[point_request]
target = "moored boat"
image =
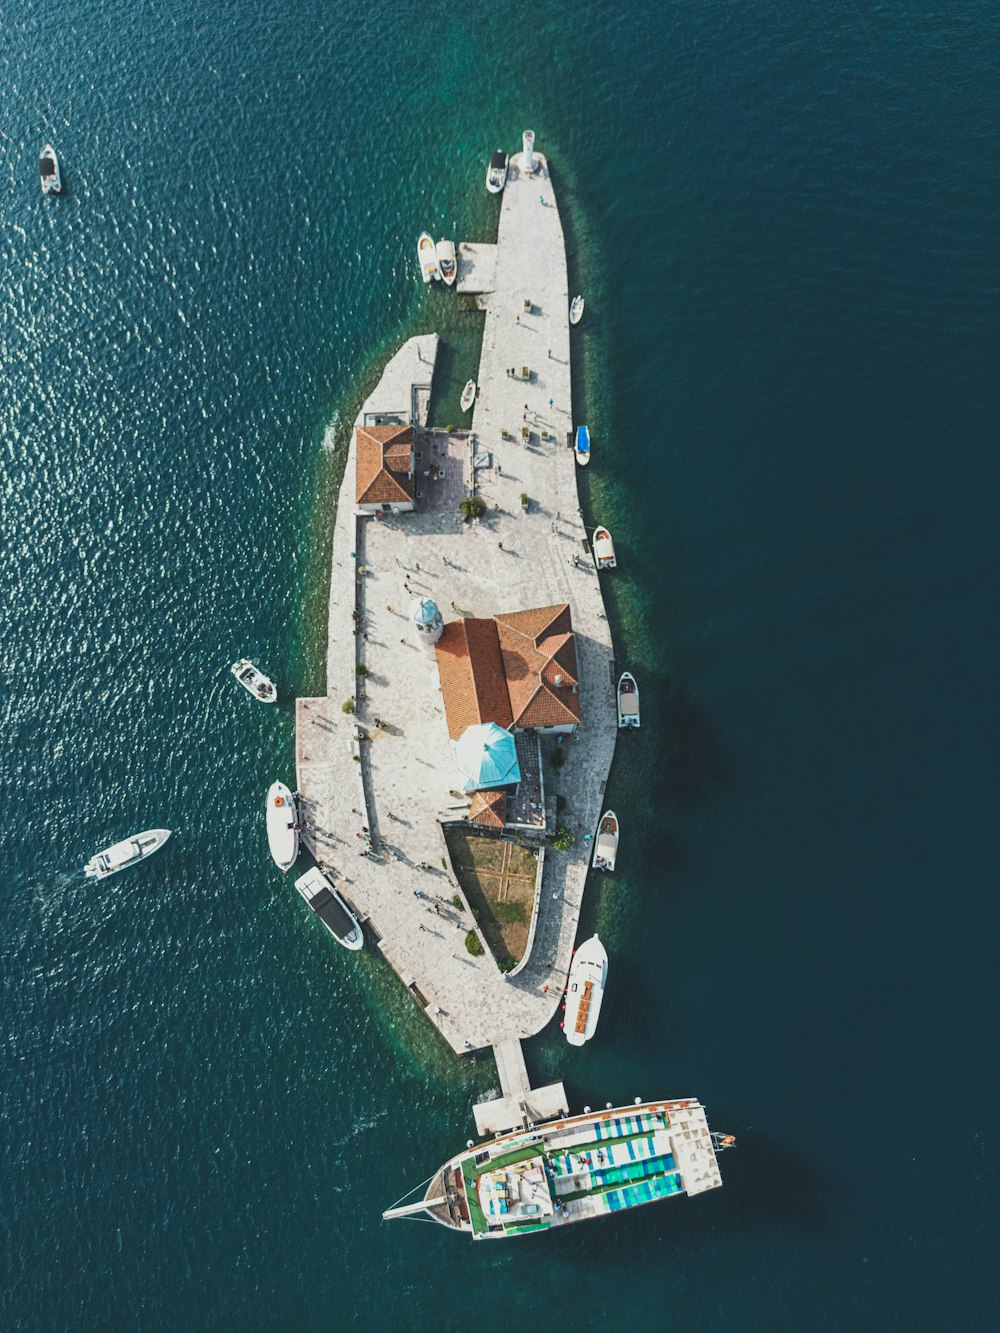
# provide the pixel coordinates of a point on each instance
(588, 976)
(447, 266)
(628, 701)
(568, 1170)
(576, 310)
(468, 395)
(604, 549)
(582, 448)
(427, 254)
(496, 172)
(331, 909)
(282, 818)
(254, 681)
(606, 843)
(48, 171)
(121, 855)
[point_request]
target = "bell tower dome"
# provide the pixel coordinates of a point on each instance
(426, 622)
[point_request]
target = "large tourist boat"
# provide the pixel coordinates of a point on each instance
(447, 266)
(282, 818)
(121, 855)
(563, 1171)
(254, 681)
(331, 909)
(496, 172)
(427, 254)
(48, 171)
(628, 701)
(588, 976)
(606, 843)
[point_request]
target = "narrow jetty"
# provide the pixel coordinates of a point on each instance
(379, 783)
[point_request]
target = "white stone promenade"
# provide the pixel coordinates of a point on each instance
(398, 783)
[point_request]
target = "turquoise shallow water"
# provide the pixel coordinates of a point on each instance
(784, 219)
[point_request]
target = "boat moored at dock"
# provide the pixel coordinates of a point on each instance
(468, 395)
(427, 254)
(572, 1169)
(576, 310)
(496, 172)
(588, 976)
(48, 171)
(331, 909)
(282, 818)
(604, 549)
(130, 852)
(447, 266)
(628, 701)
(254, 681)
(606, 843)
(582, 446)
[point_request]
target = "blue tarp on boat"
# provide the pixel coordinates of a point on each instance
(582, 440)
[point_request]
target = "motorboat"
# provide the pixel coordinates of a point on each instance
(331, 909)
(427, 254)
(588, 976)
(582, 445)
(254, 681)
(124, 854)
(468, 395)
(604, 549)
(496, 172)
(606, 842)
(282, 819)
(48, 171)
(628, 701)
(447, 267)
(576, 310)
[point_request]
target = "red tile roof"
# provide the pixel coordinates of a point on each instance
(472, 679)
(489, 808)
(384, 459)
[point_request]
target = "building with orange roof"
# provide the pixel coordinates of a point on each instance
(489, 808)
(384, 466)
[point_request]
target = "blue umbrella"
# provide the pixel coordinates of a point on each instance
(486, 757)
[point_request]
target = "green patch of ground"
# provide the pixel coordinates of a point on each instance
(498, 878)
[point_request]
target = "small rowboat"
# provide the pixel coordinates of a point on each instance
(496, 172)
(582, 445)
(427, 254)
(446, 262)
(606, 842)
(604, 549)
(282, 820)
(588, 976)
(254, 681)
(576, 310)
(468, 395)
(628, 701)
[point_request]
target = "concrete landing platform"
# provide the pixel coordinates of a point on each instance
(477, 266)
(520, 1102)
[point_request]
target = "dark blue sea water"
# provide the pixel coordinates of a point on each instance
(784, 217)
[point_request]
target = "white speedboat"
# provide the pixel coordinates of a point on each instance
(125, 854)
(427, 254)
(628, 701)
(254, 681)
(468, 395)
(588, 976)
(447, 267)
(582, 445)
(331, 909)
(604, 549)
(48, 171)
(496, 172)
(606, 842)
(282, 826)
(576, 310)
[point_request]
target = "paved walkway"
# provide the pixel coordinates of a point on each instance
(397, 780)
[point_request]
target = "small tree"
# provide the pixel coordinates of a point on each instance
(473, 506)
(524, 500)
(473, 944)
(361, 670)
(562, 840)
(347, 706)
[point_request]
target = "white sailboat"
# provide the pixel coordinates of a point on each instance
(588, 976)
(282, 819)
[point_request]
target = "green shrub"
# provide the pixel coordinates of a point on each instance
(456, 901)
(507, 963)
(558, 757)
(473, 506)
(347, 706)
(561, 802)
(562, 840)
(473, 945)
(361, 670)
